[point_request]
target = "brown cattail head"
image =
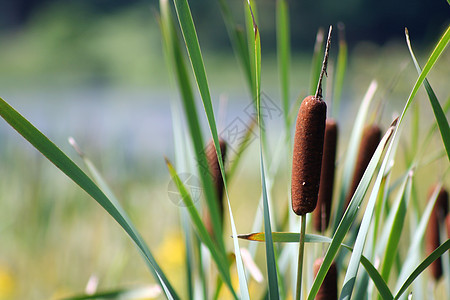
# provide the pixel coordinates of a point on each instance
(371, 137)
(437, 217)
(307, 156)
(447, 225)
(328, 290)
(323, 209)
(217, 179)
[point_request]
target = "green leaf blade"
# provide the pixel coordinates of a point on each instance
(284, 54)
(439, 114)
(423, 265)
(68, 167)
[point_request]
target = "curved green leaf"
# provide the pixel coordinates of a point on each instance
(439, 114)
(425, 263)
(284, 53)
(68, 167)
(176, 60)
(195, 56)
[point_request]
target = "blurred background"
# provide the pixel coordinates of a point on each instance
(94, 70)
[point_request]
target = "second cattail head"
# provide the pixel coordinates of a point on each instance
(371, 137)
(322, 213)
(307, 154)
(328, 290)
(437, 217)
(217, 179)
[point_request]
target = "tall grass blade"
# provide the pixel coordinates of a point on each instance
(349, 215)
(182, 162)
(98, 178)
(423, 265)
(251, 17)
(341, 67)
(412, 256)
(394, 226)
(176, 60)
(439, 114)
(219, 258)
(193, 47)
(284, 55)
(68, 167)
(352, 150)
(270, 254)
(439, 48)
(100, 181)
(238, 41)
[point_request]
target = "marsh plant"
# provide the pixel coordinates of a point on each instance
(369, 236)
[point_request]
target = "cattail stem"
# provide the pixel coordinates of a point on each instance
(301, 248)
(324, 65)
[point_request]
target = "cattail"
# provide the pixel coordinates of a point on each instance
(447, 224)
(328, 290)
(370, 139)
(437, 217)
(322, 213)
(217, 179)
(307, 158)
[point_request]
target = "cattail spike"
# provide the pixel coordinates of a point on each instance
(323, 209)
(440, 210)
(447, 225)
(307, 154)
(217, 179)
(328, 290)
(371, 137)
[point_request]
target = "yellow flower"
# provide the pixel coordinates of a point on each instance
(171, 250)
(7, 284)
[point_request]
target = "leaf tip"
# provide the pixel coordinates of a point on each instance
(75, 146)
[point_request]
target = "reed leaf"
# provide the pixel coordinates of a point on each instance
(422, 266)
(284, 55)
(412, 256)
(439, 114)
(270, 254)
(195, 56)
(394, 226)
(68, 167)
(238, 42)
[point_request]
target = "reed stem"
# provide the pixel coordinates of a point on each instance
(301, 249)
